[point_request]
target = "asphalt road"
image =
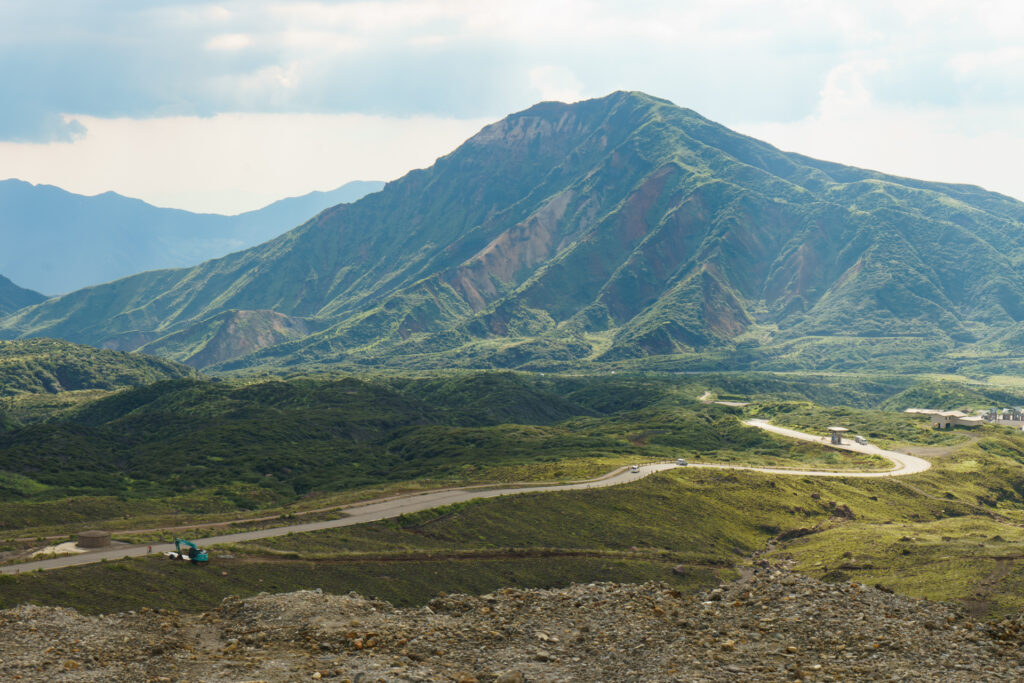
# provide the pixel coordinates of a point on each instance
(903, 463)
(393, 507)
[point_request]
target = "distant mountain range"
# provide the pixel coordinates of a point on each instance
(13, 297)
(56, 241)
(623, 231)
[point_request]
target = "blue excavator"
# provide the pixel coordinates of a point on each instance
(195, 554)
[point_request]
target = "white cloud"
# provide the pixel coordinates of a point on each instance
(871, 82)
(229, 42)
(234, 162)
(970, 144)
(555, 83)
(971, 64)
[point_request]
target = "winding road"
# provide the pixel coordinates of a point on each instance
(359, 513)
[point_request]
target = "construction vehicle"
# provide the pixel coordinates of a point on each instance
(194, 553)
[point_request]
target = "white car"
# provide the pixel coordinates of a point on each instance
(681, 462)
(634, 468)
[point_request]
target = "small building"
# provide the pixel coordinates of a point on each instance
(836, 434)
(93, 539)
(954, 418)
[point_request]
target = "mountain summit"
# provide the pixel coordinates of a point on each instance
(624, 229)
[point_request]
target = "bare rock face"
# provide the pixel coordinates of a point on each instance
(770, 627)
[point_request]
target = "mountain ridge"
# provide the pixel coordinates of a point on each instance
(66, 241)
(13, 297)
(618, 230)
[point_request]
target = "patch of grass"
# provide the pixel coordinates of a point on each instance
(942, 559)
(154, 582)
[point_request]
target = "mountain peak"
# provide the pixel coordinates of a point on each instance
(620, 229)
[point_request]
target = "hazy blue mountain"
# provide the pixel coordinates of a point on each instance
(620, 230)
(57, 241)
(13, 297)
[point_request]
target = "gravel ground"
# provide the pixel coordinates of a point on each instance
(772, 626)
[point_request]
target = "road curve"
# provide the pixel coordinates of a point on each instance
(903, 463)
(373, 511)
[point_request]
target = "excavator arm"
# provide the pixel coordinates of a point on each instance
(194, 553)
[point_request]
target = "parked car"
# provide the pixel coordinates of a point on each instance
(861, 440)
(681, 462)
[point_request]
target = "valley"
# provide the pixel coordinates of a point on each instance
(596, 347)
(395, 506)
(745, 494)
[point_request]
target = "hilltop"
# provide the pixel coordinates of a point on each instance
(50, 366)
(623, 231)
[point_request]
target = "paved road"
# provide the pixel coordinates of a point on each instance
(903, 463)
(393, 507)
(355, 514)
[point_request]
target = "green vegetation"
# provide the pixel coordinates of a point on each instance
(51, 366)
(188, 451)
(876, 425)
(675, 244)
(950, 396)
(206, 447)
(946, 534)
(152, 582)
(954, 536)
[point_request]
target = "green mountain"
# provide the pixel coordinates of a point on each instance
(49, 366)
(620, 230)
(13, 297)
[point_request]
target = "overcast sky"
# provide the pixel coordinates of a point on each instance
(227, 106)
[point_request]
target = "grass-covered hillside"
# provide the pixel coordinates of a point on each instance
(187, 451)
(951, 533)
(194, 446)
(50, 366)
(198, 446)
(296, 437)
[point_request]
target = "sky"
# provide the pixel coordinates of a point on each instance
(228, 106)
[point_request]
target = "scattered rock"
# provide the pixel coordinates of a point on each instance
(772, 626)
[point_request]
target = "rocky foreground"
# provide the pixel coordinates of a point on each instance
(770, 627)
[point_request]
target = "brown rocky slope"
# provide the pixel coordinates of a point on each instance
(772, 626)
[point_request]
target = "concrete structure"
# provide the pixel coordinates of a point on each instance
(94, 539)
(954, 418)
(947, 419)
(837, 434)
